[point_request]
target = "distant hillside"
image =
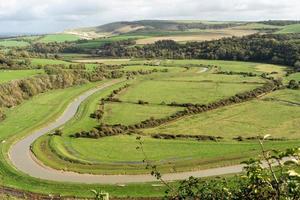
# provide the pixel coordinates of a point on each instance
(146, 26)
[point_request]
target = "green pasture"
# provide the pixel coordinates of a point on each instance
(157, 92)
(278, 117)
(294, 28)
(119, 154)
(58, 38)
(8, 75)
(13, 43)
(131, 113)
(45, 61)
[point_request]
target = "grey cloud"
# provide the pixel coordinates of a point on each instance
(55, 15)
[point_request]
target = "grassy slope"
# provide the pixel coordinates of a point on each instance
(294, 28)
(253, 118)
(8, 75)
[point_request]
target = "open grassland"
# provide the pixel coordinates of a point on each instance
(105, 61)
(256, 118)
(129, 113)
(106, 156)
(59, 38)
(235, 66)
(294, 28)
(193, 76)
(8, 75)
(44, 61)
(156, 92)
(13, 43)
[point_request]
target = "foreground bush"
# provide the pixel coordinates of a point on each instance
(271, 177)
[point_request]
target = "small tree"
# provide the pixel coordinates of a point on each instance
(100, 195)
(58, 132)
(293, 84)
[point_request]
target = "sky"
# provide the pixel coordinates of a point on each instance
(45, 16)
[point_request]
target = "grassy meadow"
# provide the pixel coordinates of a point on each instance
(58, 38)
(9, 75)
(12, 43)
(251, 119)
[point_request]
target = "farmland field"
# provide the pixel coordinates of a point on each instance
(13, 43)
(58, 38)
(8, 75)
(295, 28)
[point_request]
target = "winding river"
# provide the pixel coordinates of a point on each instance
(24, 161)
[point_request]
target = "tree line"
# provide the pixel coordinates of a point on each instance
(269, 48)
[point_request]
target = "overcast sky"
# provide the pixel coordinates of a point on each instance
(41, 16)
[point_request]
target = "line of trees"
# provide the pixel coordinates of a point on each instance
(280, 22)
(277, 49)
(180, 136)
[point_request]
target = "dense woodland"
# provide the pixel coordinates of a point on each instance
(280, 22)
(269, 48)
(7, 62)
(278, 49)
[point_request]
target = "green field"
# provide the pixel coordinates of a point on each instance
(43, 62)
(106, 156)
(13, 43)
(156, 91)
(255, 118)
(128, 113)
(58, 38)
(8, 75)
(294, 28)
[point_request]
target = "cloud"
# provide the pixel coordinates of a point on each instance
(56, 15)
